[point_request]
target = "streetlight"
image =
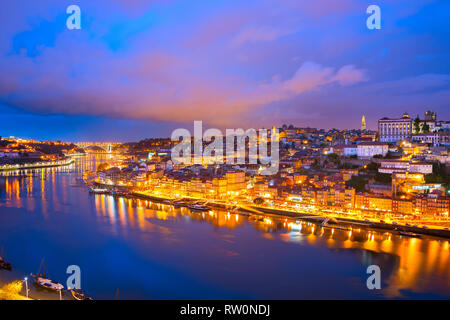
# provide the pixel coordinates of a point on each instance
(26, 285)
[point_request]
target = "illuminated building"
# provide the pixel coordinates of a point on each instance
(393, 130)
(401, 166)
(368, 150)
(435, 138)
(345, 150)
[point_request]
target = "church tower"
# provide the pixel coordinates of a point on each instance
(363, 123)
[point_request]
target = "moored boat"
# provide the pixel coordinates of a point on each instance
(199, 207)
(3, 263)
(179, 204)
(98, 190)
(409, 234)
(77, 294)
(42, 281)
(48, 284)
(339, 227)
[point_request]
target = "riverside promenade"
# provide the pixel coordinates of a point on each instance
(36, 165)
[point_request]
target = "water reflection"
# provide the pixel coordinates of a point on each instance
(409, 264)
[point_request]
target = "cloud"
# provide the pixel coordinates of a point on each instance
(219, 62)
(260, 33)
(155, 86)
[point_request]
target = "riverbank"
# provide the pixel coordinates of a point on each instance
(36, 165)
(313, 218)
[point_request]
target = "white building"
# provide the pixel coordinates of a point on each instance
(401, 166)
(435, 138)
(393, 130)
(345, 150)
(420, 167)
(368, 150)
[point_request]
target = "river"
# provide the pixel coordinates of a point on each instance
(135, 249)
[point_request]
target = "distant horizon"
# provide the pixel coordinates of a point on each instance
(161, 137)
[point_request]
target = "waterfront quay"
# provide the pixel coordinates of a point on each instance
(309, 217)
(317, 217)
(36, 165)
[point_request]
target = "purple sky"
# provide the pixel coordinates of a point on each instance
(141, 68)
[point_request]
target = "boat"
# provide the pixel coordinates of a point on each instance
(45, 283)
(98, 190)
(199, 207)
(77, 294)
(410, 234)
(179, 204)
(339, 227)
(42, 281)
(3, 263)
(120, 193)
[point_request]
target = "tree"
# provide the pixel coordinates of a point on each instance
(416, 124)
(383, 177)
(426, 128)
(389, 155)
(315, 164)
(439, 175)
(258, 200)
(373, 166)
(357, 182)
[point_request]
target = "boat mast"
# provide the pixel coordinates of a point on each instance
(42, 266)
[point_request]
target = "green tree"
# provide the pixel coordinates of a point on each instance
(416, 124)
(439, 175)
(357, 182)
(383, 177)
(426, 128)
(258, 200)
(373, 166)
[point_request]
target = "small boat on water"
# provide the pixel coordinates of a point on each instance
(120, 193)
(199, 207)
(42, 281)
(339, 227)
(98, 190)
(3, 263)
(179, 204)
(45, 283)
(410, 234)
(77, 294)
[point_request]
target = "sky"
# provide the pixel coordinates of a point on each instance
(141, 68)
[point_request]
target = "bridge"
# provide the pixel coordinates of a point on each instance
(107, 146)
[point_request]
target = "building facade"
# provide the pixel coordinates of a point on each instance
(368, 150)
(393, 130)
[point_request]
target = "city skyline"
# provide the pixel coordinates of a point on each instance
(164, 65)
